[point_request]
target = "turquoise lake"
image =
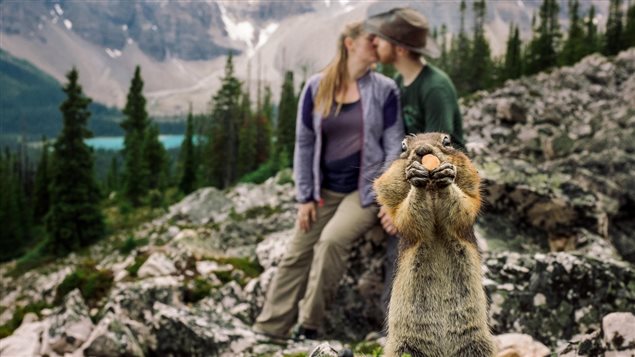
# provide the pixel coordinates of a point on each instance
(116, 142)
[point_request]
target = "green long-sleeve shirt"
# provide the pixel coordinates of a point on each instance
(430, 104)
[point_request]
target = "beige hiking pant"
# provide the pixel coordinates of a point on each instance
(318, 255)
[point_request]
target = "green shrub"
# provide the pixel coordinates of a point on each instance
(91, 282)
(155, 199)
(34, 258)
(138, 262)
(261, 174)
(285, 177)
(130, 244)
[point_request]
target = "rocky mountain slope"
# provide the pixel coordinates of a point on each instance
(556, 153)
(181, 46)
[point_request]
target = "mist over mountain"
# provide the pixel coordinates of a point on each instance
(181, 46)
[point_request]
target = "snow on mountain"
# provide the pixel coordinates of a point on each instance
(182, 46)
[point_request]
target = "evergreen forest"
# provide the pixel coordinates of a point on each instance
(56, 200)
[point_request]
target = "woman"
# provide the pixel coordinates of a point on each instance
(348, 125)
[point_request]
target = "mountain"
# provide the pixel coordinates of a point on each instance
(31, 98)
(181, 46)
(30, 103)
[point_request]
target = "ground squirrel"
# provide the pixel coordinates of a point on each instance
(438, 306)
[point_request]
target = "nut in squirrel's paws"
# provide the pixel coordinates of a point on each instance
(438, 177)
(430, 162)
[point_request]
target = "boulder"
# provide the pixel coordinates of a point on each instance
(156, 265)
(70, 327)
(323, 350)
(555, 296)
(136, 299)
(619, 331)
(207, 329)
(519, 345)
(111, 337)
(25, 340)
(204, 205)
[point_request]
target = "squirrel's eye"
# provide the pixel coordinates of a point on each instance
(404, 147)
(446, 142)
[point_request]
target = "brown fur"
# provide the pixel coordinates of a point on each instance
(438, 306)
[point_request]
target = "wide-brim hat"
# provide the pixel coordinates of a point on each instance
(404, 27)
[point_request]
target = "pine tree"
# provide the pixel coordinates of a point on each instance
(112, 178)
(263, 129)
(629, 30)
(221, 151)
(460, 55)
(135, 176)
(614, 27)
(247, 139)
(513, 59)
(14, 230)
(591, 40)
(74, 219)
(541, 52)
(482, 69)
(41, 195)
(573, 49)
(187, 183)
(155, 158)
(444, 60)
(286, 122)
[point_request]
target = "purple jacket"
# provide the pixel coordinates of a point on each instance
(383, 132)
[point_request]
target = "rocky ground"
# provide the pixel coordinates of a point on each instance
(556, 154)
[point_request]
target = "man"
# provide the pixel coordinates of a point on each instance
(428, 97)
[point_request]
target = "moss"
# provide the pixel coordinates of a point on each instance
(93, 284)
(368, 349)
(18, 315)
(196, 289)
(234, 216)
(249, 266)
(264, 211)
(138, 262)
(224, 276)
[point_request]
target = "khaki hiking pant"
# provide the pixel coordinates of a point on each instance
(318, 256)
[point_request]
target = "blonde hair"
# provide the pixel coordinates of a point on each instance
(335, 74)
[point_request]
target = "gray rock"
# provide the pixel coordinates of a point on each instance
(202, 206)
(206, 330)
(156, 265)
(520, 345)
(555, 296)
(111, 337)
(619, 331)
(323, 350)
(136, 299)
(25, 340)
(71, 326)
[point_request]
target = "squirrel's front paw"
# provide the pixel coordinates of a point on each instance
(443, 175)
(417, 174)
